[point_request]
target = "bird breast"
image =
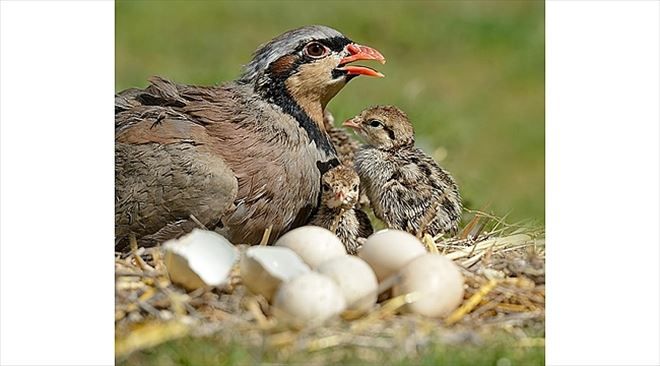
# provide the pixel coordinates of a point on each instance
(375, 168)
(275, 163)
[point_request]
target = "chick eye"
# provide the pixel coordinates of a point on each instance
(354, 188)
(375, 123)
(326, 187)
(315, 50)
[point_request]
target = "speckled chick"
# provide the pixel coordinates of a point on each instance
(345, 145)
(338, 212)
(406, 187)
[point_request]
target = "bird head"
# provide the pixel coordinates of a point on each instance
(340, 187)
(310, 65)
(383, 127)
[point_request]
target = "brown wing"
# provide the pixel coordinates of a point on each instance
(258, 152)
(165, 169)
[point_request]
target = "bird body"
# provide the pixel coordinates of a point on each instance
(406, 187)
(240, 157)
(260, 162)
(338, 211)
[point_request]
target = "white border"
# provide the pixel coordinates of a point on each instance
(602, 130)
(57, 179)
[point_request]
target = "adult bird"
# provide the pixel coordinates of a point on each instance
(239, 157)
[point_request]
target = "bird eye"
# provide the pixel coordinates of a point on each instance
(326, 187)
(315, 50)
(375, 123)
(354, 188)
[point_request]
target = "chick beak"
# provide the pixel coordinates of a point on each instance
(352, 124)
(339, 196)
(356, 53)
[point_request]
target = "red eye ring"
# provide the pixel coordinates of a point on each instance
(315, 50)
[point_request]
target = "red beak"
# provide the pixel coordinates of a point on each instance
(357, 53)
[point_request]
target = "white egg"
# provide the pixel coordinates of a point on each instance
(356, 280)
(199, 259)
(437, 282)
(313, 244)
(309, 299)
(387, 251)
(263, 268)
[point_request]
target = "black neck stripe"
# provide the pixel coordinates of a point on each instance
(290, 107)
(277, 93)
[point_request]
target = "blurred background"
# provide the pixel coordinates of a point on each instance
(470, 74)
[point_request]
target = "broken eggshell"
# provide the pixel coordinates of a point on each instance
(199, 259)
(313, 244)
(356, 280)
(263, 268)
(437, 282)
(308, 300)
(387, 251)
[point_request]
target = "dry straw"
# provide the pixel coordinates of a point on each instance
(503, 265)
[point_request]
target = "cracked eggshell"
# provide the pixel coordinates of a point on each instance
(356, 280)
(309, 299)
(387, 251)
(199, 259)
(313, 244)
(263, 268)
(436, 280)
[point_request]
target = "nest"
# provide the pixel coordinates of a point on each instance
(503, 265)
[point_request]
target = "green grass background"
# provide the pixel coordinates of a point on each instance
(212, 351)
(470, 74)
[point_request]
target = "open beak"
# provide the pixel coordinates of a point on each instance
(357, 53)
(350, 123)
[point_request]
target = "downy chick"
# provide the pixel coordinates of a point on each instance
(337, 212)
(406, 187)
